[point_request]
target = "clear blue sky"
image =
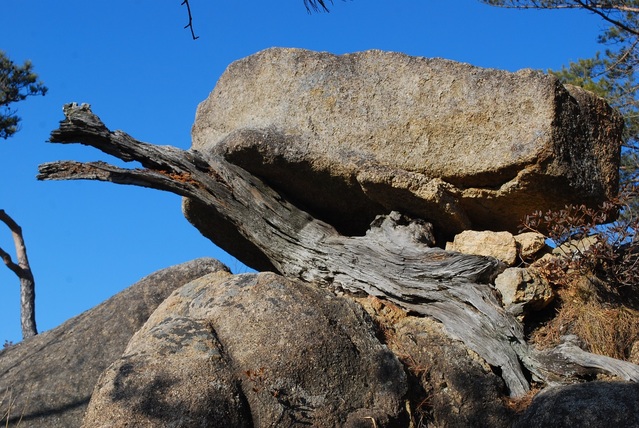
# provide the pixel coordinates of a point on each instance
(141, 72)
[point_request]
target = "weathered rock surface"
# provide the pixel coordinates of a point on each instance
(523, 290)
(353, 136)
(450, 385)
(462, 390)
(252, 350)
(346, 138)
(500, 245)
(575, 246)
(587, 405)
(46, 381)
(529, 244)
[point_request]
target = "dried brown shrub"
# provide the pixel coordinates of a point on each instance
(604, 330)
(520, 404)
(596, 275)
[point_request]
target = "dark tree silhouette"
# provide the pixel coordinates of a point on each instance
(16, 84)
(311, 6)
(190, 24)
(316, 5)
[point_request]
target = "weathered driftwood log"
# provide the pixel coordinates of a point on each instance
(568, 359)
(392, 260)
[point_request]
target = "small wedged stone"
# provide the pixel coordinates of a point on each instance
(529, 244)
(500, 245)
(523, 290)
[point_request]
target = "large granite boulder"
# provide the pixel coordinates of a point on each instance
(252, 350)
(351, 136)
(47, 380)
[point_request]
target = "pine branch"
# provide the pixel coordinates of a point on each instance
(315, 5)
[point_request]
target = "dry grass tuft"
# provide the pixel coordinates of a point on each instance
(519, 404)
(596, 275)
(605, 328)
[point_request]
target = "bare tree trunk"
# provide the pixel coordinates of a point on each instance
(393, 260)
(23, 271)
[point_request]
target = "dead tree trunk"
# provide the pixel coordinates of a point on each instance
(391, 261)
(24, 274)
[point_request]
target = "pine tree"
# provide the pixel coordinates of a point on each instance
(17, 82)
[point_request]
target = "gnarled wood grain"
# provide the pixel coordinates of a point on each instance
(392, 260)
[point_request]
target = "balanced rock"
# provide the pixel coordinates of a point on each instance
(47, 380)
(352, 136)
(252, 350)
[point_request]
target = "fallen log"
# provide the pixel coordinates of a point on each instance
(392, 261)
(569, 360)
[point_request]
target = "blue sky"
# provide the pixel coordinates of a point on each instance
(142, 73)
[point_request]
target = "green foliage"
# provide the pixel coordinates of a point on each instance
(16, 84)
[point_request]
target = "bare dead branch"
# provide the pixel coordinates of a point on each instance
(22, 266)
(102, 171)
(391, 261)
(6, 258)
(22, 269)
(601, 10)
(190, 24)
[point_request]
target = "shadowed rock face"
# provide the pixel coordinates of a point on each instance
(252, 350)
(449, 386)
(593, 404)
(47, 381)
(352, 136)
(260, 350)
(461, 390)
